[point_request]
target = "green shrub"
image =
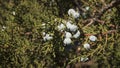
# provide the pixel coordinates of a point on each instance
(23, 45)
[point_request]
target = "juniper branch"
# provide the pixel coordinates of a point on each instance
(103, 33)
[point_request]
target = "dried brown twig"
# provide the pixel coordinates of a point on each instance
(107, 7)
(97, 15)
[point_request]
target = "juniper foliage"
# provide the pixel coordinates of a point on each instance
(21, 38)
